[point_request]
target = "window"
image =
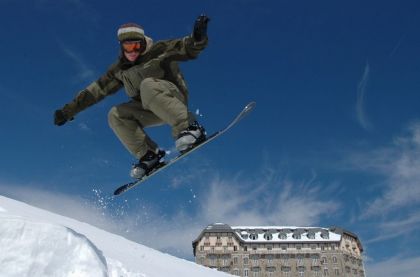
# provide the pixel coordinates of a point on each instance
(270, 259)
(336, 272)
(246, 272)
(236, 272)
(282, 236)
(271, 269)
(253, 236)
(202, 260)
(235, 260)
(256, 272)
(218, 241)
(285, 259)
(334, 259)
(268, 236)
(300, 260)
(316, 274)
(285, 271)
(255, 260)
(301, 271)
(202, 248)
(213, 261)
(315, 260)
(225, 261)
(325, 271)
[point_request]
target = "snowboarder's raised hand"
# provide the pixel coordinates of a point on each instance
(200, 27)
(59, 118)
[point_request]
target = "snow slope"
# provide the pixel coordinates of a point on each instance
(35, 242)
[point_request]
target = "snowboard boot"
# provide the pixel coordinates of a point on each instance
(190, 137)
(147, 163)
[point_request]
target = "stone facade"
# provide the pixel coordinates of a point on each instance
(273, 251)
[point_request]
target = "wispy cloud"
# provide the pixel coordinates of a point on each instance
(361, 97)
(238, 202)
(400, 165)
(288, 203)
(397, 46)
(84, 127)
(397, 228)
(233, 201)
(397, 266)
(85, 71)
(392, 203)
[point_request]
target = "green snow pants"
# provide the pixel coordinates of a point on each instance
(161, 103)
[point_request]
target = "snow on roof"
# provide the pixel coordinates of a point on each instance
(285, 234)
(218, 226)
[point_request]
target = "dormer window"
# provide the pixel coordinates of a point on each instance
(253, 236)
(297, 236)
(268, 236)
(282, 236)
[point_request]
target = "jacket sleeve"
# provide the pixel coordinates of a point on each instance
(181, 49)
(106, 85)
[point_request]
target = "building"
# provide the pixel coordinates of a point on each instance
(274, 251)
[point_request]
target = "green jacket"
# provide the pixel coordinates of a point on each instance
(159, 61)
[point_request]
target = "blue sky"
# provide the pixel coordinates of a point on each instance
(334, 140)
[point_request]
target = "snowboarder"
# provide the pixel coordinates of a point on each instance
(151, 77)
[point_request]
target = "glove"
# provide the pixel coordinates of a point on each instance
(200, 27)
(59, 118)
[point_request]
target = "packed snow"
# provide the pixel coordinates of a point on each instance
(36, 242)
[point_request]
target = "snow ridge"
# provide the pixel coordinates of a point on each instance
(35, 242)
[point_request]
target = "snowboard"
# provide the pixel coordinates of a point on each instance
(164, 164)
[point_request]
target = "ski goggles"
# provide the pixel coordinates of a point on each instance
(132, 46)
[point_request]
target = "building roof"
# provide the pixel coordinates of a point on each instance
(279, 234)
